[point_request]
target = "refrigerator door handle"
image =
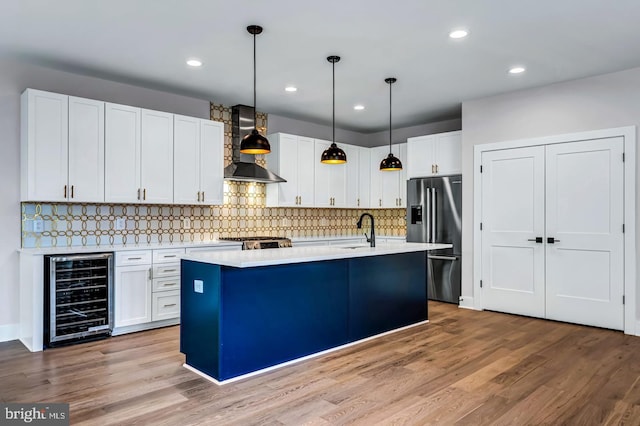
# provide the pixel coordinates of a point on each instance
(436, 257)
(428, 214)
(433, 215)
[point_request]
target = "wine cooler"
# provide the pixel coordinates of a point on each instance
(78, 302)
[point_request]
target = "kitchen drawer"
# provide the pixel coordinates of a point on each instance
(138, 257)
(166, 305)
(167, 255)
(166, 270)
(166, 284)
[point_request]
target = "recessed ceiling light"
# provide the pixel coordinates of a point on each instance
(358, 107)
(291, 89)
(516, 70)
(458, 33)
(194, 62)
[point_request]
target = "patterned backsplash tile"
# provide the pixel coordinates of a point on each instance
(242, 214)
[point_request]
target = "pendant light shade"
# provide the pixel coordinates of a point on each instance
(391, 162)
(333, 154)
(254, 142)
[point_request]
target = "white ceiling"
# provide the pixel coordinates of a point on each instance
(146, 42)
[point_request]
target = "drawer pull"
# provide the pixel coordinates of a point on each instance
(169, 284)
(134, 258)
(167, 256)
(170, 305)
(169, 270)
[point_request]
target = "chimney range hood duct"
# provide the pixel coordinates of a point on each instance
(243, 166)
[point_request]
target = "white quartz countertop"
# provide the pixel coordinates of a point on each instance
(281, 256)
(108, 248)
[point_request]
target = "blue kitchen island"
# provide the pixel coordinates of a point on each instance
(244, 312)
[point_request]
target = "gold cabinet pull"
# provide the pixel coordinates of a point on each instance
(144, 194)
(437, 168)
(198, 196)
(203, 196)
(358, 202)
(138, 193)
(380, 202)
(65, 191)
(72, 191)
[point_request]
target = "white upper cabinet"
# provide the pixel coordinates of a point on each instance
(138, 155)
(198, 161)
(157, 157)
(437, 154)
(364, 177)
(330, 179)
(86, 150)
(388, 188)
(62, 148)
(122, 154)
(292, 158)
(358, 176)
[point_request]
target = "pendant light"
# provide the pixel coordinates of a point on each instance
(391, 162)
(333, 154)
(254, 142)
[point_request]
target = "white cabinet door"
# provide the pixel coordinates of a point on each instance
(132, 295)
(352, 175)
(44, 146)
(86, 150)
(157, 157)
(448, 153)
(285, 148)
(376, 176)
(364, 178)
(122, 153)
(211, 162)
(198, 161)
(329, 179)
(186, 160)
(305, 171)
(322, 177)
(421, 156)
(391, 180)
(584, 216)
(437, 154)
(402, 175)
(512, 218)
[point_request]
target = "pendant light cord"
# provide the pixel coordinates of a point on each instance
(390, 117)
(333, 140)
(255, 111)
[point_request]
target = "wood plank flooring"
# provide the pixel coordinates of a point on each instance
(464, 367)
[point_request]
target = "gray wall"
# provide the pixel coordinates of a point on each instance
(312, 130)
(606, 101)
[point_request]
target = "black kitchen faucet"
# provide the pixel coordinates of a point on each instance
(371, 240)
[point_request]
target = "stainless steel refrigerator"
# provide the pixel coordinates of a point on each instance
(434, 215)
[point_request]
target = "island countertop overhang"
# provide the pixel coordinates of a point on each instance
(290, 255)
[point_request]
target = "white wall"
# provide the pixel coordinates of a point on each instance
(14, 78)
(606, 101)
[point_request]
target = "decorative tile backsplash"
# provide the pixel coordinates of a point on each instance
(242, 214)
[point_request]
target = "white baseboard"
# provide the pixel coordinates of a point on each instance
(637, 330)
(9, 332)
(466, 302)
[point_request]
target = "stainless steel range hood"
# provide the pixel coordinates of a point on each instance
(243, 166)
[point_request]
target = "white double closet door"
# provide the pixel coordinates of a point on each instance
(552, 238)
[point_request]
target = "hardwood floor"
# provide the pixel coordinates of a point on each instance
(464, 367)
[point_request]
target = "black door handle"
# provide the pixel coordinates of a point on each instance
(537, 240)
(551, 240)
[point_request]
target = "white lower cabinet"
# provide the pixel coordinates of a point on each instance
(146, 288)
(132, 289)
(166, 305)
(166, 284)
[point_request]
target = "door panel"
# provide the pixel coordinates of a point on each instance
(446, 202)
(513, 214)
(584, 197)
